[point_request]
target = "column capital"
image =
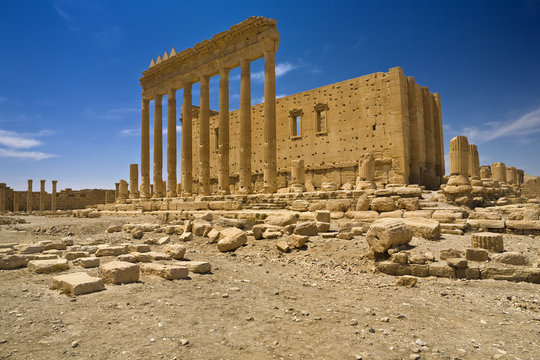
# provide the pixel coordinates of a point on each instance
(224, 71)
(158, 98)
(204, 80)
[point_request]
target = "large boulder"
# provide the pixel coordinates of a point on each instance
(427, 228)
(232, 239)
(384, 233)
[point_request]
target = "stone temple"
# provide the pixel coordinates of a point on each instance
(329, 131)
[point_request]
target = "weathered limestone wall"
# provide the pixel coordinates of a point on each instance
(367, 114)
(65, 200)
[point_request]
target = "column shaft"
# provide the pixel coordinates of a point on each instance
(133, 181)
(204, 137)
(29, 197)
(270, 151)
(171, 143)
(245, 127)
(223, 132)
(158, 146)
(53, 198)
(42, 196)
(15, 202)
(145, 149)
(187, 142)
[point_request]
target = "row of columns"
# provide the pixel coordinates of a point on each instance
(42, 195)
(270, 155)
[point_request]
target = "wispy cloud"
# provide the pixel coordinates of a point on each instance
(34, 155)
(527, 124)
(129, 132)
(14, 145)
(281, 69)
(259, 100)
(13, 140)
(91, 20)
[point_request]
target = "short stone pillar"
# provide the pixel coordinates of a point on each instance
(459, 156)
(42, 196)
(366, 172)
(29, 198)
(122, 190)
(521, 177)
(511, 175)
(116, 190)
(298, 176)
(15, 202)
(53, 198)
(134, 181)
(485, 172)
(499, 172)
(474, 162)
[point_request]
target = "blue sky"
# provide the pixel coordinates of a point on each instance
(69, 71)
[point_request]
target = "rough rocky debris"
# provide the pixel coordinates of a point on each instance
(406, 280)
(307, 228)
(426, 228)
(119, 272)
(77, 283)
(385, 233)
(87, 262)
(10, 262)
(282, 219)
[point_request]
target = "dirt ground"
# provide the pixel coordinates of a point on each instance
(325, 302)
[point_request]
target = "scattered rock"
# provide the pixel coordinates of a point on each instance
(119, 272)
(48, 266)
(385, 233)
(176, 251)
(77, 283)
(409, 281)
(232, 239)
(198, 267)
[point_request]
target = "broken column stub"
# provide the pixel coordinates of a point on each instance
(123, 190)
(474, 162)
(459, 156)
(298, 176)
(366, 172)
(133, 181)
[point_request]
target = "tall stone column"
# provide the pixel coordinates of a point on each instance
(133, 181)
(29, 198)
(145, 149)
(187, 142)
(171, 143)
(53, 198)
(158, 146)
(245, 128)
(3, 197)
(270, 150)
(42, 196)
(223, 135)
(204, 137)
(474, 161)
(116, 190)
(15, 202)
(498, 171)
(459, 156)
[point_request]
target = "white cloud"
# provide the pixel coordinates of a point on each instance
(14, 145)
(18, 141)
(281, 69)
(527, 124)
(130, 132)
(35, 155)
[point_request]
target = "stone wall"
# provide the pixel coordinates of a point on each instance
(387, 114)
(67, 199)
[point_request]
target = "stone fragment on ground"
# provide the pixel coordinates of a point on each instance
(175, 251)
(385, 233)
(283, 246)
(142, 248)
(87, 262)
(186, 236)
(198, 267)
(48, 266)
(298, 241)
(168, 272)
(426, 228)
(119, 272)
(77, 283)
(72, 255)
(111, 250)
(282, 219)
(307, 228)
(406, 280)
(232, 239)
(10, 262)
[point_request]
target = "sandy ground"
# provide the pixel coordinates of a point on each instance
(324, 302)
